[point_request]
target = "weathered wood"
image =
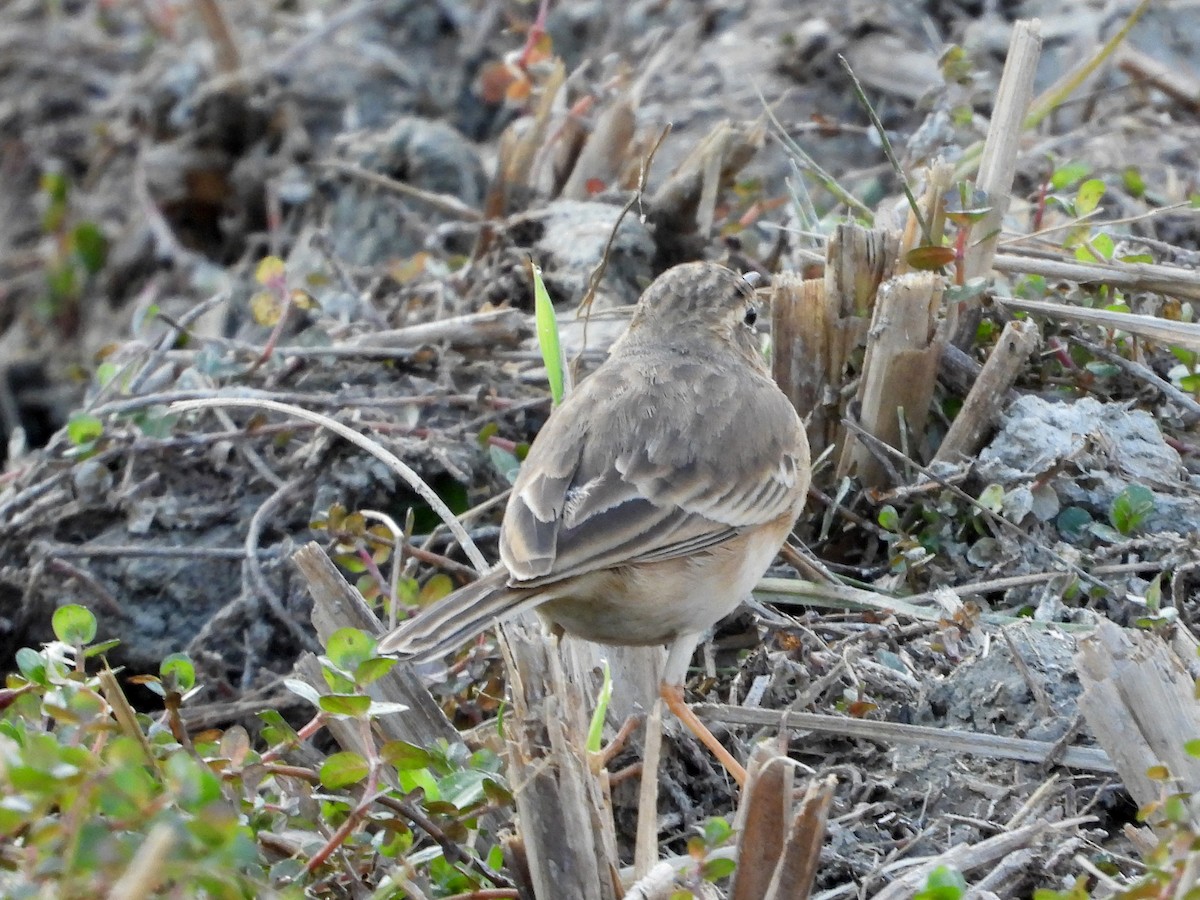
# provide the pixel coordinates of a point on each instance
(779, 841)
(1091, 759)
(985, 400)
(1164, 330)
(337, 605)
(1139, 701)
(800, 347)
(899, 369)
(496, 327)
(817, 326)
(762, 822)
(998, 163)
(798, 864)
(566, 827)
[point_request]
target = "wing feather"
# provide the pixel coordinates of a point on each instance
(629, 479)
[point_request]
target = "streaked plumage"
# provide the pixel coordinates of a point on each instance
(656, 495)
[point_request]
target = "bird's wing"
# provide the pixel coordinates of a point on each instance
(625, 475)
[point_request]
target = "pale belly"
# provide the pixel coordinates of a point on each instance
(654, 603)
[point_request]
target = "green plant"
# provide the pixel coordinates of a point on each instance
(943, 883)
(77, 251)
(547, 333)
(707, 865)
(97, 799)
(1130, 508)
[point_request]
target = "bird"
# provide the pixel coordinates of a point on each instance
(654, 497)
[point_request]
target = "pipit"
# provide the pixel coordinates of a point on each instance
(654, 498)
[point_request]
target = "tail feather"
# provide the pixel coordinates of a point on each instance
(455, 619)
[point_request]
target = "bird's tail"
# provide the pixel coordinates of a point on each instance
(455, 619)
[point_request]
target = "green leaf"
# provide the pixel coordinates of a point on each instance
(1192, 747)
(1103, 369)
(276, 729)
(1098, 248)
(437, 587)
(992, 498)
(177, 670)
(506, 463)
(32, 665)
(373, 669)
(1132, 179)
(716, 869)
(348, 648)
(889, 519)
(1072, 521)
(1071, 173)
(82, 429)
(463, 788)
(405, 756)
(547, 332)
(1130, 508)
(271, 272)
(1087, 198)
(74, 624)
(91, 246)
(943, 883)
(343, 769)
(102, 647)
(929, 258)
(352, 706)
(192, 781)
(717, 831)
(491, 429)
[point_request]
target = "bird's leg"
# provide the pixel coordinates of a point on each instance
(672, 695)
(671, 690)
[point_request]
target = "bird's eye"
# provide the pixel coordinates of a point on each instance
(751, 316)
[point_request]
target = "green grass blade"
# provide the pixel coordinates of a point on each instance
(596, 728)
(547, 333)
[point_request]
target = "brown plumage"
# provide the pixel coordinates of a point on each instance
(657, 494)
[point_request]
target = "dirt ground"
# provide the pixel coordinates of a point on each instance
(153, 154)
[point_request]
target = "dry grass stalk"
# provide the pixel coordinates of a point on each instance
(779, 843)
(220, 32)
(1165, 331)
(493, 328)
(899, 369)
(999, 161)
(606, 151)
(646, 849)
(519, 148)
(797, 869)
(800, 351)
(763, 814)
(688, 199)
(1180, 85)
(566, 827)
(1174, 281)
(818, 326)
(1139, 701)
(981, 408)
(969, 857)
(952, 740)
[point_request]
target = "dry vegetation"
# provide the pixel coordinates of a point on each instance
(266, 329)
